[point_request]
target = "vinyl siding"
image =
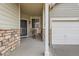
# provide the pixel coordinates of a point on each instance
(9, 16)
(65, 10)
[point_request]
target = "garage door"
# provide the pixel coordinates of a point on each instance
(65, 32)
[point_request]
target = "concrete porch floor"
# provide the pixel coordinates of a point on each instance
(29, 47)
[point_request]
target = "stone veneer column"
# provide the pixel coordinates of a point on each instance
(9, 40)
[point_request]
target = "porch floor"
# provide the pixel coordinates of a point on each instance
(29, 47)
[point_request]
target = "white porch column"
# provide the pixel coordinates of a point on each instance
(46, 29)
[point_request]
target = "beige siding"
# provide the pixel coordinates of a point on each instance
(65, 10)
(9, 16)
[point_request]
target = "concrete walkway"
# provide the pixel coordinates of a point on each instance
(29, 47)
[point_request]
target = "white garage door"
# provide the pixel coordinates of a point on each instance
(65, 32)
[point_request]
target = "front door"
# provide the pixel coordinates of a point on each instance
(23, 25)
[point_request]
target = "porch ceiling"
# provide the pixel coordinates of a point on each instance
(34, 9)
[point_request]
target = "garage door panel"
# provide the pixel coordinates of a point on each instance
(65, 32)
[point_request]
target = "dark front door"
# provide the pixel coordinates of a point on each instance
(23, 25)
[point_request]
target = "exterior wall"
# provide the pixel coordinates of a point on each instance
(9, 40)
(25, 16)
(65, 10)
(9, 16)
(9, 27)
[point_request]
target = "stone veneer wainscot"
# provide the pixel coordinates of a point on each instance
(9, 40)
